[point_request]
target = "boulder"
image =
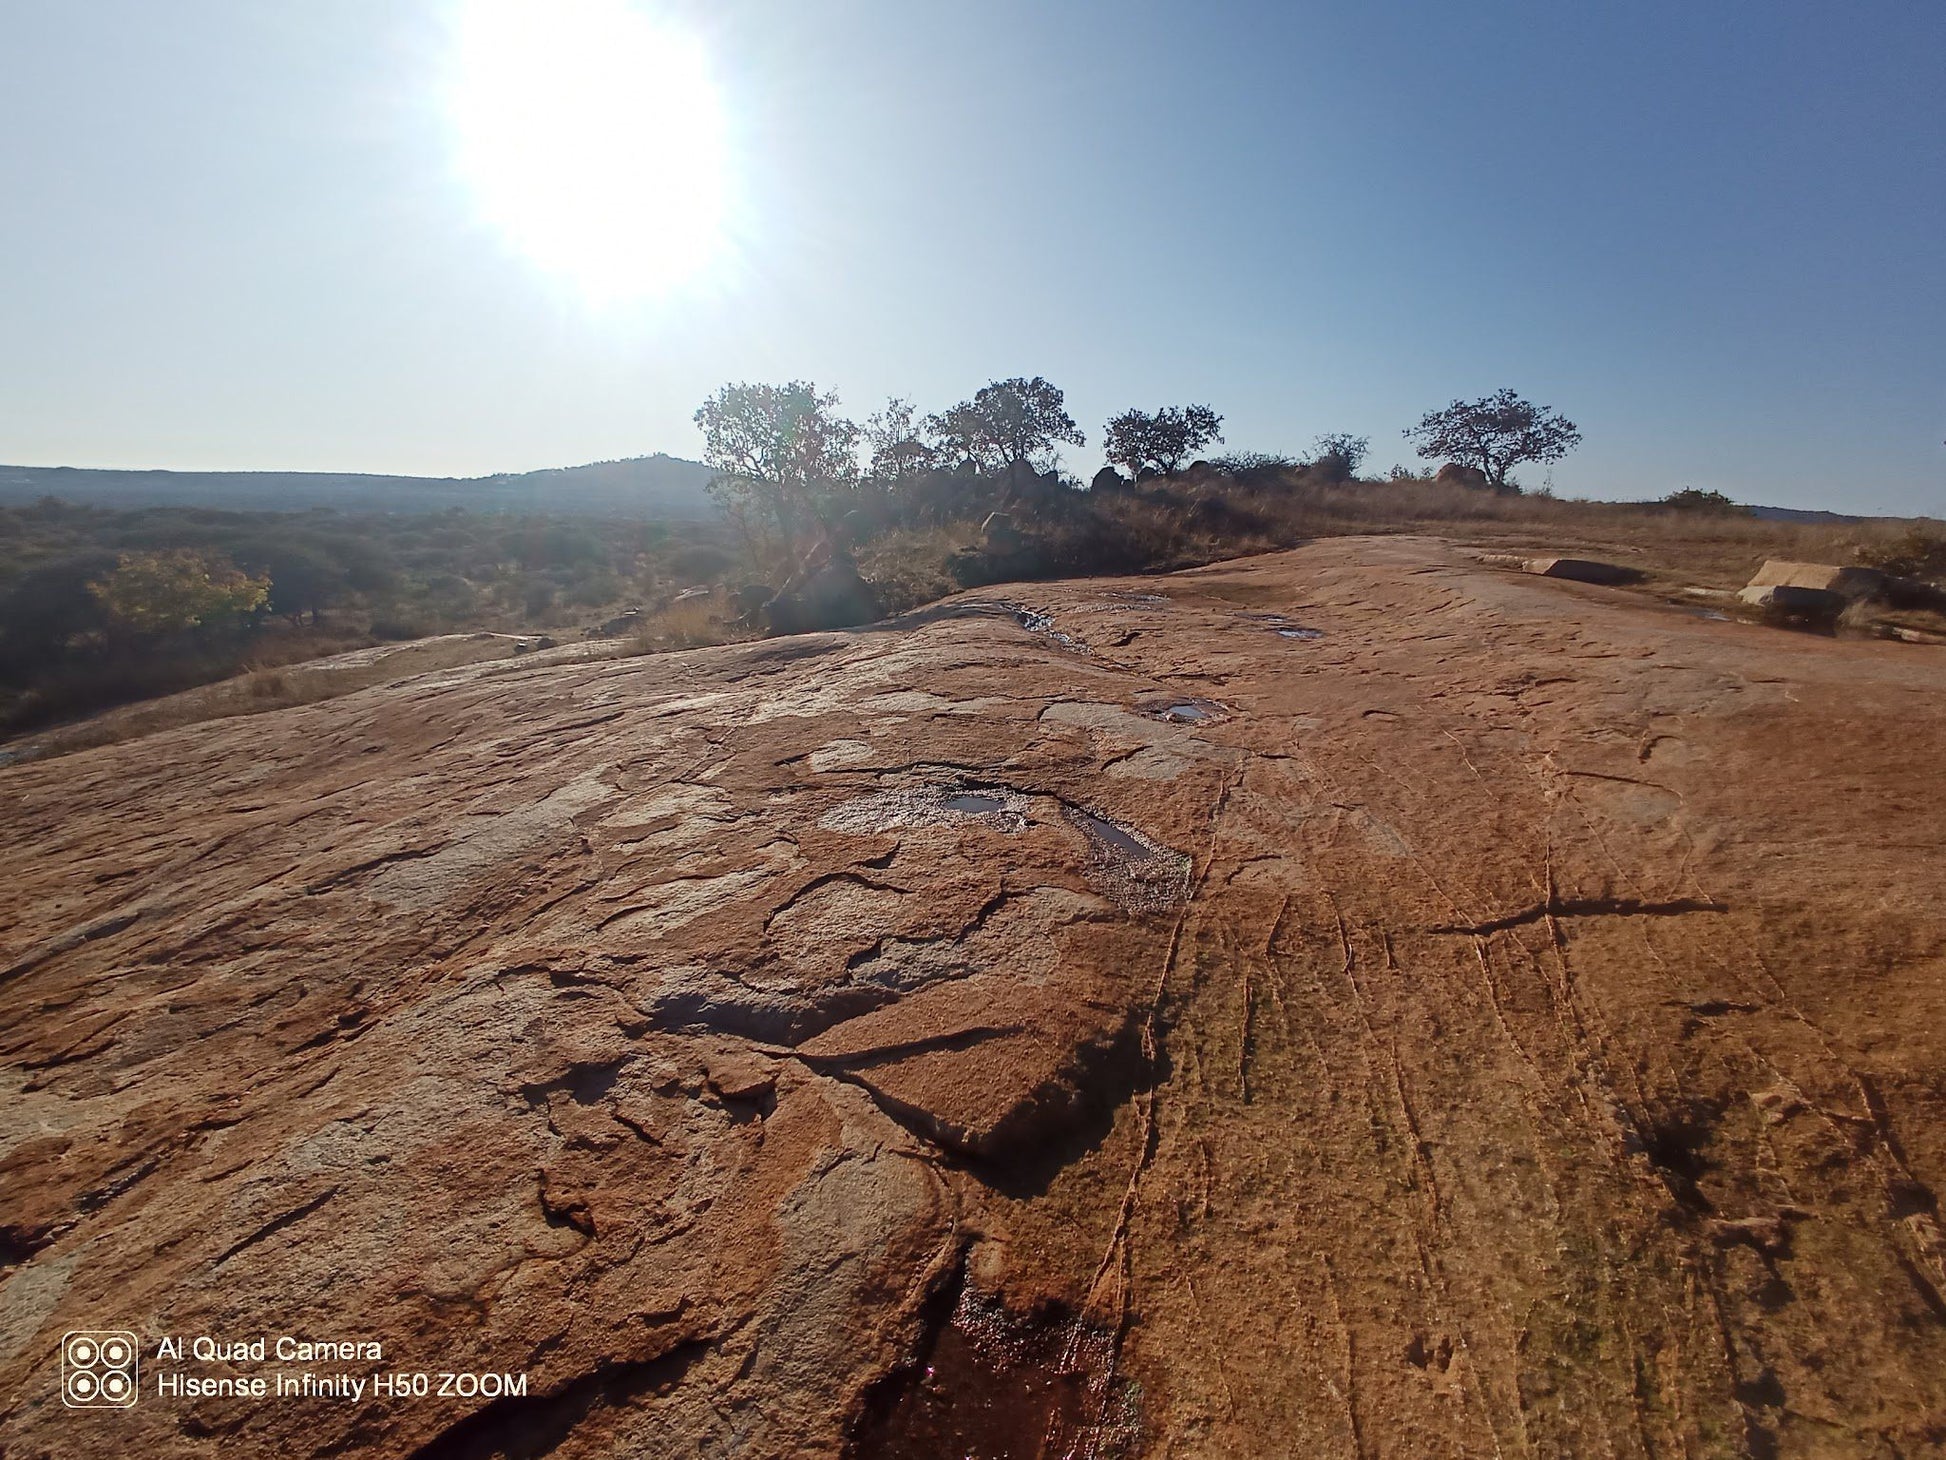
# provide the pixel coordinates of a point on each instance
(1581, 570)
(1849, 583)
(1455, 475)
(999, 532)
(621, 623)
(835, 598)
(1788, 598)
(751, 597)
(1108, 480)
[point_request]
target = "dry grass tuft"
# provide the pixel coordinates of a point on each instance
(907, 565)
(692, 625)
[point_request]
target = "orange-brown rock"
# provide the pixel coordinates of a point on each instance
(1350, 1002)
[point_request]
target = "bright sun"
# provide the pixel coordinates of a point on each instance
(592, 137)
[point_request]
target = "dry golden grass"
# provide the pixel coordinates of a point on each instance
(690, 625)
(1714, 551)
(907, 565)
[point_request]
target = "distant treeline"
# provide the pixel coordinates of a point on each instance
(643, 486)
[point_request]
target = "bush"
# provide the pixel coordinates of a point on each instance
(591, 590)
(1919, 552)
(1339, 456)
(396, 626)
(700, 564)
(1256, 468)
(1695, 499)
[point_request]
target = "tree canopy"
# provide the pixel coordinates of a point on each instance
(781, 449)
(1494, 434)
(897, 439)
(150, 594)
(1163, 440)
(1007, 423)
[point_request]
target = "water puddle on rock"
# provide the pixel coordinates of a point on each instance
(904, 810)
(995, 1385)
(1188, 712)
(973, 803)
(1037, 621)
(1283, 627)
(1141, 875)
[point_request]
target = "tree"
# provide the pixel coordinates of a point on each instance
(1008, 423)
(1339, 455)
(152, 594)
(897, 441)
(782, 450)
(301, 582)
(1161, 442)
(1494, 435)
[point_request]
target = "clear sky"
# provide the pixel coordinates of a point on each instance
(249, 234)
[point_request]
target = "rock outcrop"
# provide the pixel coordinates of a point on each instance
(1348, 1002)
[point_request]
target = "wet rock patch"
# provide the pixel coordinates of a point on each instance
(1140, 874)
(907, 809)
(989, 1384)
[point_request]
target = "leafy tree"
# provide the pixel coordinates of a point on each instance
(152, 594)
(1494, 434)
(1339, 455)
(1163, 441)
(896, 439)
(302, 582)
(1007, 423)
(779, 450)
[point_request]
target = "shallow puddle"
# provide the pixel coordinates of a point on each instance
(973, 803)
(1142, 875)
(1281, 626)
(1186, 713)
(1101, 829)
(904, 810)
(1036, 621)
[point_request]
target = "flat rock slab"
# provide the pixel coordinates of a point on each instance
(1580, 570)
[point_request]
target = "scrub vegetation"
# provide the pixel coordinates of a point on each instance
(102, 607)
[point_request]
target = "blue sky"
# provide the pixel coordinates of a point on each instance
(235, 235)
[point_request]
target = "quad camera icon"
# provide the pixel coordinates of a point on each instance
(99, 1370)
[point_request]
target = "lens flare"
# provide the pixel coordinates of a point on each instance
(593, 139)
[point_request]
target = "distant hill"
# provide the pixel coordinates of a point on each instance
(642, 486)
(1806, 514)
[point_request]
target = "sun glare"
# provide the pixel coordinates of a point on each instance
(592, 138)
